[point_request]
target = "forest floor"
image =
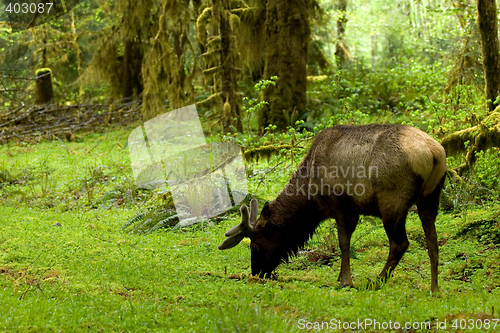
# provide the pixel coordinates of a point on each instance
(67, 266)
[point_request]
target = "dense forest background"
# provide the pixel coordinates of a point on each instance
(261, 66)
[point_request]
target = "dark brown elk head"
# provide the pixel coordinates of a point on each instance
(265, 252)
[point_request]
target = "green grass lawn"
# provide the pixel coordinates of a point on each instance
(88, 275)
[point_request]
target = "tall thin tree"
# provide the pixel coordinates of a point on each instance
(488, 28)
(342, 55)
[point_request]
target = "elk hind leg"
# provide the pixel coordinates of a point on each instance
(346, 223)
(427, 211)
(395, 229)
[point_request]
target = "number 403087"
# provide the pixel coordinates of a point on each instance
(25, 8)
(474, 324)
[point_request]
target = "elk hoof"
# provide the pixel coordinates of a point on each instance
(346, 285)
(374, 285)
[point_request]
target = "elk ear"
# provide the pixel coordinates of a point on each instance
(265, 215)
(266, 211)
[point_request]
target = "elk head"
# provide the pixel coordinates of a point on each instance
(265, 254)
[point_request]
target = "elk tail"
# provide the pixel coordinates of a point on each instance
(439, 169)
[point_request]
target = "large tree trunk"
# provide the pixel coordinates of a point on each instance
(488, 28)
(287, 42)
(132, 62)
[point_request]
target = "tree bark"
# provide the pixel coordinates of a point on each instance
(132, 62)
(287, 43)
(488, 29)
(128, 90)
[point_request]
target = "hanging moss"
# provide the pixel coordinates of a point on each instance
(106, 65)
(201, 24)
(227, 110)
(234, 21)
(221, 59)
(164, 69)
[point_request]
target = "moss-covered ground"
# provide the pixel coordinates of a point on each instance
(66, 265)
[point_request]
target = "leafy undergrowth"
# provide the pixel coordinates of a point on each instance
(67, 266)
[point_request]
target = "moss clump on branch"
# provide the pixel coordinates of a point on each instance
(264, 152)
(481, 137)
(455, 143)
(211, 102)
(43, 71)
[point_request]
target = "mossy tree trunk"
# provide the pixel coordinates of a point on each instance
(44, 92)
(231, 110)
(341, 51)
(287, 43)
(488, 28)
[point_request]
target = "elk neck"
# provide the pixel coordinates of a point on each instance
(295, 214)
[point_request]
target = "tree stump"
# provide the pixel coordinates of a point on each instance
(44, 93)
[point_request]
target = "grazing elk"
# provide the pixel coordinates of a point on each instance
(377, 170)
